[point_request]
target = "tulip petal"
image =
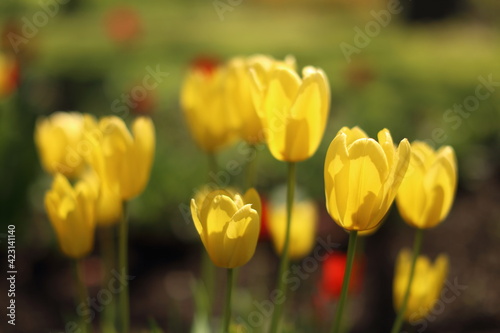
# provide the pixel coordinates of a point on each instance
(241, 236)
(337, 177)
(252, 197)
(368, 171)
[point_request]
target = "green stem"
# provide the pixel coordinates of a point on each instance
(83, 294)
(123, 266)
(212, 165)
(284, 263)
(251, 169)
(351, 251)
(107, 243)
(227, 307)
(417, 246)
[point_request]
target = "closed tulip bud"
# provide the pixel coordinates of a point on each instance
(203, 100)
(124, 158)
(228, 225)
(428, 280)
(293, 111)
(302, 228)
(239, 87)
(362, 177)
(60, 142)
(71, 212)
(426, 194)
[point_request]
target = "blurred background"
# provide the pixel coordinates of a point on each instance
(428, 70)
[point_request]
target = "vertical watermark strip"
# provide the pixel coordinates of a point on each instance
(11, 274)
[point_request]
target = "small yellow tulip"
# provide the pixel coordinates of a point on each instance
(426, 286)
(61, 143)
(426, 194)
(302, 228)
(239, 93)
(228, 226)
(362, 177)
(71, 212)
(204, 102)
(293, 110)
(122, 158)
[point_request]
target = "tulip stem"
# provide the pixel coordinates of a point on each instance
(417, 246)
(351, 251)
(251, 166)
(123, 266)
(83, 294)
(227, 307)
(108, 251)
(284, 263)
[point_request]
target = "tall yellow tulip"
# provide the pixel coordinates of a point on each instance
(426, 287)
(302, 228)
(293, 110)
(426, 194)
(123, 158)
(362, 177)
(203, 100)
(61, 143)
(239, 92)
(228, 225)
(71, 212)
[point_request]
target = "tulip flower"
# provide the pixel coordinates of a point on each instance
(426, 194)
(71, 212)
(239, 93)
(293, 111)
(124, 158)
(61, 142)
(228, 225)
(203, 100)
(362, 177)
(332, 275)
(426, 287)
(302, 228)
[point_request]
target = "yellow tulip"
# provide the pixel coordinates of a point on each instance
(61, 143)
(240, 95)
(426, 194)
(362, 177)
(426, 286)
(71, 212)
(108, 206)
(302, 228)
(228, 226)
(204, 102)
(122, 159)
(293, 110)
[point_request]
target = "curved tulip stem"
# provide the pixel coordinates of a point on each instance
(417, 245)
(351, 251)
(124, 311)
(284, 263)
(227, 307)
(83, 294)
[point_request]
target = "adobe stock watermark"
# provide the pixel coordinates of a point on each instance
(292, 279)
(87, 310)
(222, 7)
(455, 115)
(32, 25)
(362, 39)
(449, 294)
(154, 77)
